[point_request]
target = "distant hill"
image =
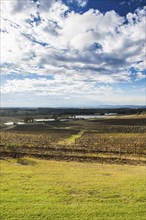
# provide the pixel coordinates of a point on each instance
(122, 106)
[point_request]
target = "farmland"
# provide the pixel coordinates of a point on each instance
(79, 169)
(113, 140)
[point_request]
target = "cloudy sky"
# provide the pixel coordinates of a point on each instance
(72, 53)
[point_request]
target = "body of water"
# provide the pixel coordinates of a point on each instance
(92, 116)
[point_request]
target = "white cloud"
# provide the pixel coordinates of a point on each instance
(79, 51)
(80, 3)
(44, 86)
(140, 76)
(40, 92)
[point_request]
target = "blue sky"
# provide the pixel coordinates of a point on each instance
(72, 53)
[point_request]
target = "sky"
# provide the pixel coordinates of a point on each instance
(72, 53)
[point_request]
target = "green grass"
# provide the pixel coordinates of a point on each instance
(36, 189)
(72, 138)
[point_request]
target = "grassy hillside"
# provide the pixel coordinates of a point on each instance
(33, 189)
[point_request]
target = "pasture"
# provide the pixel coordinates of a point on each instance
(37, 189)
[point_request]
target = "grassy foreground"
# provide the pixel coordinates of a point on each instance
(36, 189)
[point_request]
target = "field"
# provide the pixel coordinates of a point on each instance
(115, 140)
(37, 189)
(74, 170)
